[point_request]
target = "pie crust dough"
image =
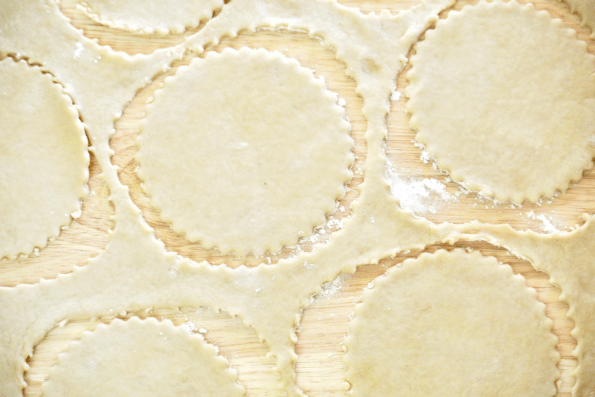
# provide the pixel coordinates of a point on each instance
(503, 97)
(44, 160)
(141, 358)
(569, 260)
(451, 324)
(150, 16)
(135, 272)
(244, 150)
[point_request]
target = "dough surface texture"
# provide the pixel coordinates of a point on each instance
(44, 162)
(503, 97)
(135, 272)
(569, 260)
(451, 324)
(150, 16)
(245, 151)
(141, 358)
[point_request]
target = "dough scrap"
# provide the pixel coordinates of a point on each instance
(150, 16)
(586, 9)
(451, 324)
(141, 358)
(44, 162)
(503, 97)
(252, 159)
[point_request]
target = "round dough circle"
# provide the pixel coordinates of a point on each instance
(244, 150)
(44, 160)
(151, 16)
(451, 324)
(141, 358)
(503, 97)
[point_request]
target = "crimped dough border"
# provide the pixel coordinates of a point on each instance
(411, 268)
(166, 329)
(53, 231)
(171, 28)
(336, 188)
(423, 135)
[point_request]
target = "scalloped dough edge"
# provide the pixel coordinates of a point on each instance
(174, 28)
(165, 326)
(73, 110)
(434, 259)
(339, 191)
(411, 89)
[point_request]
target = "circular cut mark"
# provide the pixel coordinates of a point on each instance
(451, 324)
(521, 123)
(141, 358)
(150, 16)
(44, 162)
(244, 150)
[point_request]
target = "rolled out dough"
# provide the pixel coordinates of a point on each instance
(44, 162)
(245, 151)
(150, 16)
(451, 324)
(135, 272)
(141, 358)
(503, 97)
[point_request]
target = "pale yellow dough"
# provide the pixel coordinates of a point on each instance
(586, 9)
(451, 324)
(150, 16)
(44, 162)
(245, 151)
(137, 358)
(135, 272)
(569, 260)
(503, 97)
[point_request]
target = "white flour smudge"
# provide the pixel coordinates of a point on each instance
(334, 287)
(548, 222)
(420, 195)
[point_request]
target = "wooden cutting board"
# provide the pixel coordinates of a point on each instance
(319, 368)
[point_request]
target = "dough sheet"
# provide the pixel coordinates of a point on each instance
(44, 162)
(451, 324)
(141, 358)
(568, 258)
(253, 160)
(135, 271)
(503, 97)
(150, 16)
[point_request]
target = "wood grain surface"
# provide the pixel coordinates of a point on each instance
(320, 370)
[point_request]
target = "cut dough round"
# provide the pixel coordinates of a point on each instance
(451, 324)
(503, 97)
(244, 150)
(150, 16)
(141, 358)
(44, 161)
